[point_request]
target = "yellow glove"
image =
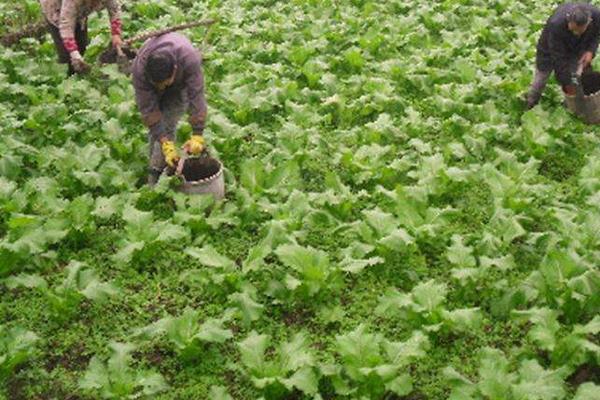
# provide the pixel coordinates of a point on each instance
(170, 152)
(195, 145)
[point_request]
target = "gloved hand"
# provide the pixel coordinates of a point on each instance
(195, 145)
(79, 65)
(170, 152)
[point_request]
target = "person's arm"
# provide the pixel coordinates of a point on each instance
(194, 85)
(147, 102)
(561, 58)
(593, 35)
(67, 23)
(148, 105)
(116, 26)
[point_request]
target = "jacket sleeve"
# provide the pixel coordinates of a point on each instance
(194, 84)
(114, 13)
(591, 41)
(147, 101)
(67, 22)
(561, 58)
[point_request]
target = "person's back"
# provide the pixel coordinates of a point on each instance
(167, 78)
(174, 43)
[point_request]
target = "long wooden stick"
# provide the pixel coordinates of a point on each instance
(40, 28)
(148, 35)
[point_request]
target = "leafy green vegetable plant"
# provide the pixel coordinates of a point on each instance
(144, 236)
(569, 350)
(424, 307)
(115, 378)
(17, 345)
(80, 283)
(310, 271)
(290, 366)
(186, 334)
(497, 381)
(372, 366)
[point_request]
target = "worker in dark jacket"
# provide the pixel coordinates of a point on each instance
(568, 42)
(168, 80)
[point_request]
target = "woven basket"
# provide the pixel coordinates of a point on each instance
(589, 108)
(214, 185)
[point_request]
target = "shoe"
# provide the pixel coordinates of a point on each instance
(153, 177)
(530, 102)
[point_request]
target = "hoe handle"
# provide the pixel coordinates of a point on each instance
(148, 35)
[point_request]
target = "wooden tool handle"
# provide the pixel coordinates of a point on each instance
(148, 35)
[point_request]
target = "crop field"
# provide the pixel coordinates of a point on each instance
(396, 225)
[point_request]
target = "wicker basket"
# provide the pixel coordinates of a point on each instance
(214, 185)
(588, 108)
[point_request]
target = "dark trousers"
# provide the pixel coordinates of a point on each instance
(81, 37)
(172, 104)
(537, 87)
(539, 83)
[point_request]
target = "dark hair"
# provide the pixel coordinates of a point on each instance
(579, 15)
(159, 67)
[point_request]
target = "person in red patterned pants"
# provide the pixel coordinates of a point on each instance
(67, 23)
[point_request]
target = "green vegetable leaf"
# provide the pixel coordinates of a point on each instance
(210, 257)
(587, 391)
(250, 309)
(219, 393)
(252, 350)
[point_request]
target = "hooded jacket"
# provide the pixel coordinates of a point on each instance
(188, 78)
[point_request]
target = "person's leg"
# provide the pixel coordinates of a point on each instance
(537, 87)
(172, 108)
(157, 161)
(81, 36)
(63, 54)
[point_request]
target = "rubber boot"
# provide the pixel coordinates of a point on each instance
(157, 163)
(153, 176)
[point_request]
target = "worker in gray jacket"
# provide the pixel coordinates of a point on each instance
(168, 80)
(568, 43)
(67, 22)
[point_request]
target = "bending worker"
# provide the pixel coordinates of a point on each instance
(168, 79)
(67, 23)
(568, 43)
